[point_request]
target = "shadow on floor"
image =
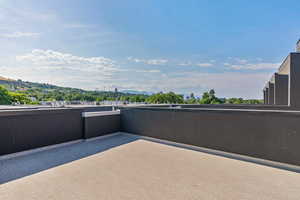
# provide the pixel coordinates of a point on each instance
(21, 166)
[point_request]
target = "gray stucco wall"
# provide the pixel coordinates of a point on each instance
(221, 106)
(271, 94)
(24, 130)
(97, 108)
(263, 134)
(237, 106)
(267, 95)
(99, 125)
(281, 87)
(294, 81)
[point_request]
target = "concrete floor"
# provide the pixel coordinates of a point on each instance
(140, 169)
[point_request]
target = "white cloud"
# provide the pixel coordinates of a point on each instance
(245, 64)
(48, 66)
(238, 60)
(54, 59)
(157, 62)
(204, 64)
(149, 61)
(98, 72)
(148, 71)
(187, 63)
(19, 34)
(254, 66)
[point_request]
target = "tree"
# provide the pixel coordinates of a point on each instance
(235, 101)
(192, 96)
(253, 101)
(161, 97)
(137, 98)
(191, 99)
(210, 98)
(19, 98)
(5, 98)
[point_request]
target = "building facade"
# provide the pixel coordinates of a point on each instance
(284, 86)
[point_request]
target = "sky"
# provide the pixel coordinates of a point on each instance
(232, 46)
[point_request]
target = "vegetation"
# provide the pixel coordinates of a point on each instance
(170, 97)
(20, 92)
(46, 92)
(7, 97)
(210, 98)
(4, 96)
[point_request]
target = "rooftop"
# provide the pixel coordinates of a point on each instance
(122, 166)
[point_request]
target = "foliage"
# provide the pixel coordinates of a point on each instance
(19, 98)
(235, 101)
(4, 96)
(137, 98)
(191, 99)
(253, 101)
(243, 101)
(210, 98)
(161, 97)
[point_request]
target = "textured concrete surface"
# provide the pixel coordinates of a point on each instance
(147, 170)
(15, 166)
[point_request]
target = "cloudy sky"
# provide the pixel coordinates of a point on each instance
(187, 46)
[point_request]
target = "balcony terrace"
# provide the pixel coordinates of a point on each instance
(150, 153)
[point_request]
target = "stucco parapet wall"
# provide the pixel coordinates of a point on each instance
(222, 110)
(97, 114)
(223, 106)
(145, 105)
(101, 123)
(38, 112)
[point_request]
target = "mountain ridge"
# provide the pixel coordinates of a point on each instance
(49, 92)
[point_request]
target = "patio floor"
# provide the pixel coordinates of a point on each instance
(123, 167)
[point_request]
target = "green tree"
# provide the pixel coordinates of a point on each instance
(5, 98)
(253, 101)
(191, 99)
(210, 98)
(19, 98)
(137, 98)
(161, 97)
(235, 101)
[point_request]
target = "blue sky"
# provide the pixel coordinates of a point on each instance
(182, 46)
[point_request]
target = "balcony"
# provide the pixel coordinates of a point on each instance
(150, 153)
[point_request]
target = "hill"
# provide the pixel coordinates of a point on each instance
(49, 92)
